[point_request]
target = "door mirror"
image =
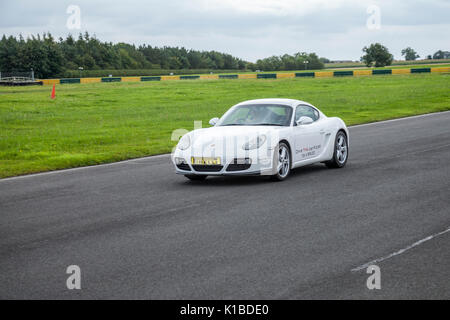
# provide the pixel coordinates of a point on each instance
(304, 120)
(213, 121)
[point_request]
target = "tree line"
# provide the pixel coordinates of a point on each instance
(51, 58)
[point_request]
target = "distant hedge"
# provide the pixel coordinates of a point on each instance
(394, 63)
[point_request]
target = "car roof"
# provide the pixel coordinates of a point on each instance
(288, 102)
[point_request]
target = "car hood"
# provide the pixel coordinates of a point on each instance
(226, 137)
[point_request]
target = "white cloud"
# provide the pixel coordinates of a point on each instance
(273, 7)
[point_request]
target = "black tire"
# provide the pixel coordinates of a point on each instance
(281, 174)
(195, 177)
(339, 158)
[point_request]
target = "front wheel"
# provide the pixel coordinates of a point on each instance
(340, 153)
(281, 162)
(195, 177)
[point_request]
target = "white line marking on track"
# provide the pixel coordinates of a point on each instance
(398, 119)
(167, 154)
(396, 253)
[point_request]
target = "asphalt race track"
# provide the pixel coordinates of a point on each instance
(137, 230)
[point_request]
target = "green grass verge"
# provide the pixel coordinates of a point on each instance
(104, 122)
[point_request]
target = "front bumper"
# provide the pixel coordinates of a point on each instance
(260, 164)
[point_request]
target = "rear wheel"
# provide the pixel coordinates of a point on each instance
(282, 162)
(195, 177)
(340, 153)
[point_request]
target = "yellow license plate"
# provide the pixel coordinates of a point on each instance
(205, 161)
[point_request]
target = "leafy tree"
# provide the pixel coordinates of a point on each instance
(410, 54)
(377, 54)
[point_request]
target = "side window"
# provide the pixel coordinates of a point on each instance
(306, 111)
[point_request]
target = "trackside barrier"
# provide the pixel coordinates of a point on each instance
(112, 79)
(266, 76)
(401, 71)
(209, 77)
(189, 77)
(170, 77)
(90, 80)
(305, 74)
(228, 76)
(151, 78)
(323, 74)
(381, 71)
(343, 73)
(317, 74)
(131, 79)
(441, 69)
(362, 72)
(247, 76)
(50, 81)
(69, 80)
(420, 70)
(285, 75)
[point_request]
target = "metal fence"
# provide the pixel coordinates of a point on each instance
(17, 76)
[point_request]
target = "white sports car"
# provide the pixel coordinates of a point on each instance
(263, 137)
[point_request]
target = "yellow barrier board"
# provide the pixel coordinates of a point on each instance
(209, 76)
(50, 81)
(323, 74)
(441, 69)
(247, 76)
(170, 77)
(362, 72)
(401, 71)
(90, 80)
(285, 75)
(131, 79)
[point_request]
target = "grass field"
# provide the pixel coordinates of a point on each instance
(104, 122)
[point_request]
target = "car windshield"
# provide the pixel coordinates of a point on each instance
(257, 115)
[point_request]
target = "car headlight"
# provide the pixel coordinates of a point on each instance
(254, 143)
(184, 142)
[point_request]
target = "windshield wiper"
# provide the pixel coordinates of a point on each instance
(266, 124)
(252, 124)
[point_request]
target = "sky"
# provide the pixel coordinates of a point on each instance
(248, 29)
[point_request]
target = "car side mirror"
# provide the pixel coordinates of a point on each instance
(213, 121)
(304, 120)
